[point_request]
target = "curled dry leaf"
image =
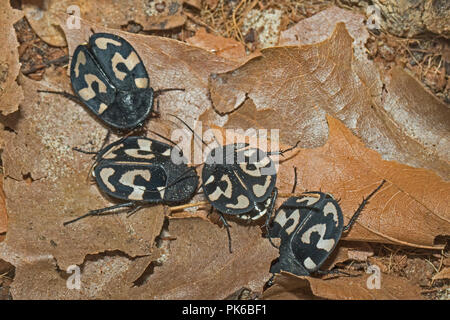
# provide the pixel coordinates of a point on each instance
(288, 286)
(301, 84)
(151, 15)
(411, 209)
(320, 26)
(11, 94)
(223, 47)
(443, 274)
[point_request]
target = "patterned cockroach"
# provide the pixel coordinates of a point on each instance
(309, 227)
(239, 180)
(109, 77)
(140, 171)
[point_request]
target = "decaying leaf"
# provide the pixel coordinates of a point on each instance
(320, 27)
(101, 275)
(201, 267)
(47, 185)
(223, 47)
(151, 15)
(301, 84)
(11, 94)
(443, 274)
(288, 286)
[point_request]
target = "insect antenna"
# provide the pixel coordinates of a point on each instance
(195, 134)
(159, 92)
(281, 152)
(361, 207)
(166, 139)
(295, 180)
(103, 210)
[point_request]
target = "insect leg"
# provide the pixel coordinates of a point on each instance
(133, 211)
(227, 226)
(102, 210)
(281, 152)
(64, 94)
(269, 215)
(105, 140)
(361, 207)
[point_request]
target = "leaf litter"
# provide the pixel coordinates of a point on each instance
(126, 248)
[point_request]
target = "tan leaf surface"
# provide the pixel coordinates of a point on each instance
(199, 265)
(103, 275)
(11, 94)
(223, 47)
(301, 84)
(320, 27)
(151, 15)
(443, 274)
(288, 286)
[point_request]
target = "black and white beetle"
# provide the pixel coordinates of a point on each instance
(140, 171)
(309, 227)
(239, 180)
(109, 77)
(234, 181)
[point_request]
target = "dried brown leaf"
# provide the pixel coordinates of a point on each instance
(341, 288)
(197, 4)
(443, 274)
(411, 209)
(151, 15)
(11, 94)
(102, 276)
(44, 186)
(223, 47)
(301, 84)
(199, 265)
(320, 27)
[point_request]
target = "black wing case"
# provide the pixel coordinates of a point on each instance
(89, 82)
(120, 62)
